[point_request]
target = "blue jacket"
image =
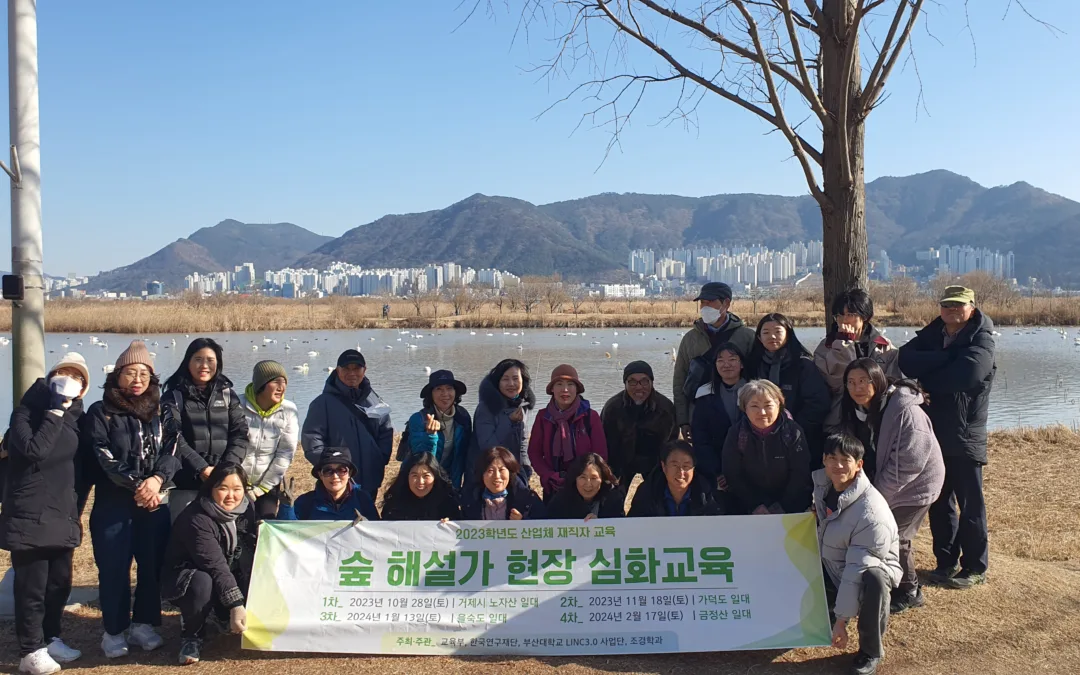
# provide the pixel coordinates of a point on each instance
(316, 505)
(356, 419)
(420, 441)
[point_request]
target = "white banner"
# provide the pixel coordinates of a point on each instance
(634, 585)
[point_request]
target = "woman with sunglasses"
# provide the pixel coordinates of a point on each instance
(336, 495)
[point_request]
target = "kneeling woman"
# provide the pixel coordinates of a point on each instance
(421, 491)
(209, 559)
(591, 491)
(860, 549)
(674, 488)
(336, 495)
(501, 494)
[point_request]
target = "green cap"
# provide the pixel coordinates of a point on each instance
(264, 372)
(959, 294)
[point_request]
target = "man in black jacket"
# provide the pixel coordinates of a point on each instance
(953, 359)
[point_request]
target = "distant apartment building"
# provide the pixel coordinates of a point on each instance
(740, 265)
(622, 291)
(962, 260)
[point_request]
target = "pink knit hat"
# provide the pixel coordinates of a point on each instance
(135, 353)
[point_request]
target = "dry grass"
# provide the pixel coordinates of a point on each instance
(1024, 621)
(236, 313)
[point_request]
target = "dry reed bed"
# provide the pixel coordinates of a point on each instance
(234, 313)
(1024, 621)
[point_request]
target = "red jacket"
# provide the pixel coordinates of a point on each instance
(588, 437)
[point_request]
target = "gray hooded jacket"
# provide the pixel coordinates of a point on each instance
(910, 470)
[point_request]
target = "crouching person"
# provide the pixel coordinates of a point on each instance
(860, 549)
(336, 496)
(209, 559)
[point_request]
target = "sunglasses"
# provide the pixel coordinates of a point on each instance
(330, 471)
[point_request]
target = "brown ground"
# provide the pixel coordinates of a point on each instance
(1026, 620)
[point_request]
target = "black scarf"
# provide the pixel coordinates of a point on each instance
(144, 407)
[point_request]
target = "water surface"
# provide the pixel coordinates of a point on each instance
(1037, 382)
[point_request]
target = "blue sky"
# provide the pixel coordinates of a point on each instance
(161, 118)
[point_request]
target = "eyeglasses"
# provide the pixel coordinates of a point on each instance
(952, 305)
(329, 471)
(640, 383)
(139, 375)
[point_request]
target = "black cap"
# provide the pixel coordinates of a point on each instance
(351, 357)
(330, 456)
(714, 290)
(636, 368)
(439, 378)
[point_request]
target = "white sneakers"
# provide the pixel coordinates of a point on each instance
(38, 663)
(114, 646)
(48, 659)
(144, 636)
(61, 653)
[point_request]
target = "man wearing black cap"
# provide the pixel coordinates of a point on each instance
(351, 415)
(637, 423)
(694, 364)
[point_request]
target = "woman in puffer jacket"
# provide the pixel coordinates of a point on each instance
(273, 432)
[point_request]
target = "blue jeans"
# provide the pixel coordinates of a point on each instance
(121, 531)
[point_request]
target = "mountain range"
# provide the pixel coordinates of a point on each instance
(593, 236)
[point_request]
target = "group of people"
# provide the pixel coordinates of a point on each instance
(757, 425)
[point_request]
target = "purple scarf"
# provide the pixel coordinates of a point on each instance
(562, 446)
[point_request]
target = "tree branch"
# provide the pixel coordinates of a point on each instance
(778, 107)
(804, 146)
(800, 64)
(886, 61)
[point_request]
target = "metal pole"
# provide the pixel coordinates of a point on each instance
(28, 315)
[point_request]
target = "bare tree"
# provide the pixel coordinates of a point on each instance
(754, 295)
(513, 297)
(578, 295)
(531, 295)
(458, 296)
(497, 298)
(416, 298)
(433, 298)
(554, 296)
(901, 292)
(798, 66)
(598, 303)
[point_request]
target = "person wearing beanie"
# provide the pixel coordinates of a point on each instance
(349, 414)
(273, 431)
(566, 429)
(638, 421)
(39, 521)
(130, 518)
(204, 418)
(443, 427)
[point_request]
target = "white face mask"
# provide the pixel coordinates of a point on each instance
(68, 387)
(710, 315)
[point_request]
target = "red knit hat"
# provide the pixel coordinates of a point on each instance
(565, 372)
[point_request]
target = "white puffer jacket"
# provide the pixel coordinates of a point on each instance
(272, 442)
(860, 534)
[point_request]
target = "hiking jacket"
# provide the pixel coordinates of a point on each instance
(650, 500)
(698, 342)
(40, 503)
(356, 419)
(492, 427)
(833, 358)
(408, 506)
(317, 505)
(772, 470)
(957, 379)
(710, 426)
(211, 429)
(910, 470)
(859, 535)
(420, 442)
(272, 443)
(588, 436)
(567, 503)
(197, 543)
(519, 496)
(806, 396)
(636, 434)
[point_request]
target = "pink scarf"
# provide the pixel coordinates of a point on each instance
(562, 446)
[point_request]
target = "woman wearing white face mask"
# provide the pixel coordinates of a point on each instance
(696, 359)
(40, 520)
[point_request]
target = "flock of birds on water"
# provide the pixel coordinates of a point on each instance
(410, 340)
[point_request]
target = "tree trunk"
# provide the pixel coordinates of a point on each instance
(843, 215)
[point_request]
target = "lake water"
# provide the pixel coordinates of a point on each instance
(1037, 380)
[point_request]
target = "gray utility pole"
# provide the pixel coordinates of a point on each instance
(28, 312)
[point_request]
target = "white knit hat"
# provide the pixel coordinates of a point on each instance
(76, 361)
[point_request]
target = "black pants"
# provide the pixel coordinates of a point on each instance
(873, 612)
(42, 587)
(196, 604)
(958, 518)
(121, 531)
(908, 521)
